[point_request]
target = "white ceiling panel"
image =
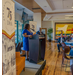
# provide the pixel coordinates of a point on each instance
(57, 4)
(67, 4)
(61, 16)
(44, 5)
(62, 4)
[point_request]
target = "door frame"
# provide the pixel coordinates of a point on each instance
(45, 32)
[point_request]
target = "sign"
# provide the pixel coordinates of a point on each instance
(8, 38)
(33, 25)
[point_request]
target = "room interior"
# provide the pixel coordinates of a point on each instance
(45, 14)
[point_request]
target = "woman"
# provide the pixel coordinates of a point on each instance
(26, 33)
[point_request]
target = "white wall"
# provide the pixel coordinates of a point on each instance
(51, 24)
(47, 24)
(37, 18)
(18, 17)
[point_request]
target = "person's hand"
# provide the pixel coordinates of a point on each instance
(34, 33)
(30, 36)
(71, 46)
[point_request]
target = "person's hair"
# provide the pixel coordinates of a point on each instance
(26, 26)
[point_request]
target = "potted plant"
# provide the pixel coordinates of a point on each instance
(50, 31)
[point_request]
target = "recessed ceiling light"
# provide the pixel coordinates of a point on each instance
(45, 6)
(72, 7)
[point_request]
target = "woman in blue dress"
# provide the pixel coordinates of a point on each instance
(26, 33)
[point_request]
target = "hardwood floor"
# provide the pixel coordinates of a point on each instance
(53, 62)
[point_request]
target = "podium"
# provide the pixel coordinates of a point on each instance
(36, 48)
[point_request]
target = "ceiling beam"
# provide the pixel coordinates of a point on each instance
(31, 5)
(62, 11)
(61, 20)
(59, 12)
(50, 17)
(43, 15)
(48, 1)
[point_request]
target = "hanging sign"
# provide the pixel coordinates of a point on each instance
(8, 38)
(33, 25)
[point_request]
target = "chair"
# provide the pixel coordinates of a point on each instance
(66, 55)
(21, 45)
(15, 44)
(20, 63)
(18, 47)
(72, 69)
(63, 46)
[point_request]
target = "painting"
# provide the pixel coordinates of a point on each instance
(64, 28)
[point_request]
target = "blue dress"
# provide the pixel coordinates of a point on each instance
(25, 40)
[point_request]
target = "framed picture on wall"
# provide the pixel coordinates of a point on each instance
(64, 28)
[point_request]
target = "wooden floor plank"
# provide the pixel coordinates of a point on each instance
(53, 62)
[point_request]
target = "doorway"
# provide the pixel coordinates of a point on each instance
(44, 30)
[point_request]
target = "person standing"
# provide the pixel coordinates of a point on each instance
(26, 33)
(39, 32)
(72, 37)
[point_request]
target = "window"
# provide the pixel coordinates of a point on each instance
(18, 31)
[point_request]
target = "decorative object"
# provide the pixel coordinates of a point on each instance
(50, 30)
(8, 38)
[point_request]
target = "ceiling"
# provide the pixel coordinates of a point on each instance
(19, 9)
(55, 5)
(56, 9)
(50, 9)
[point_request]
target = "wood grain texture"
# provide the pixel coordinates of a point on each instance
(30, 4)
(53, 62)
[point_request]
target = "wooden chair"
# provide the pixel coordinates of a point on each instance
(72, 69)
(63, 46)
(66, 56)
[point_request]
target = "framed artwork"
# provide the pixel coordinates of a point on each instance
(64, 28)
